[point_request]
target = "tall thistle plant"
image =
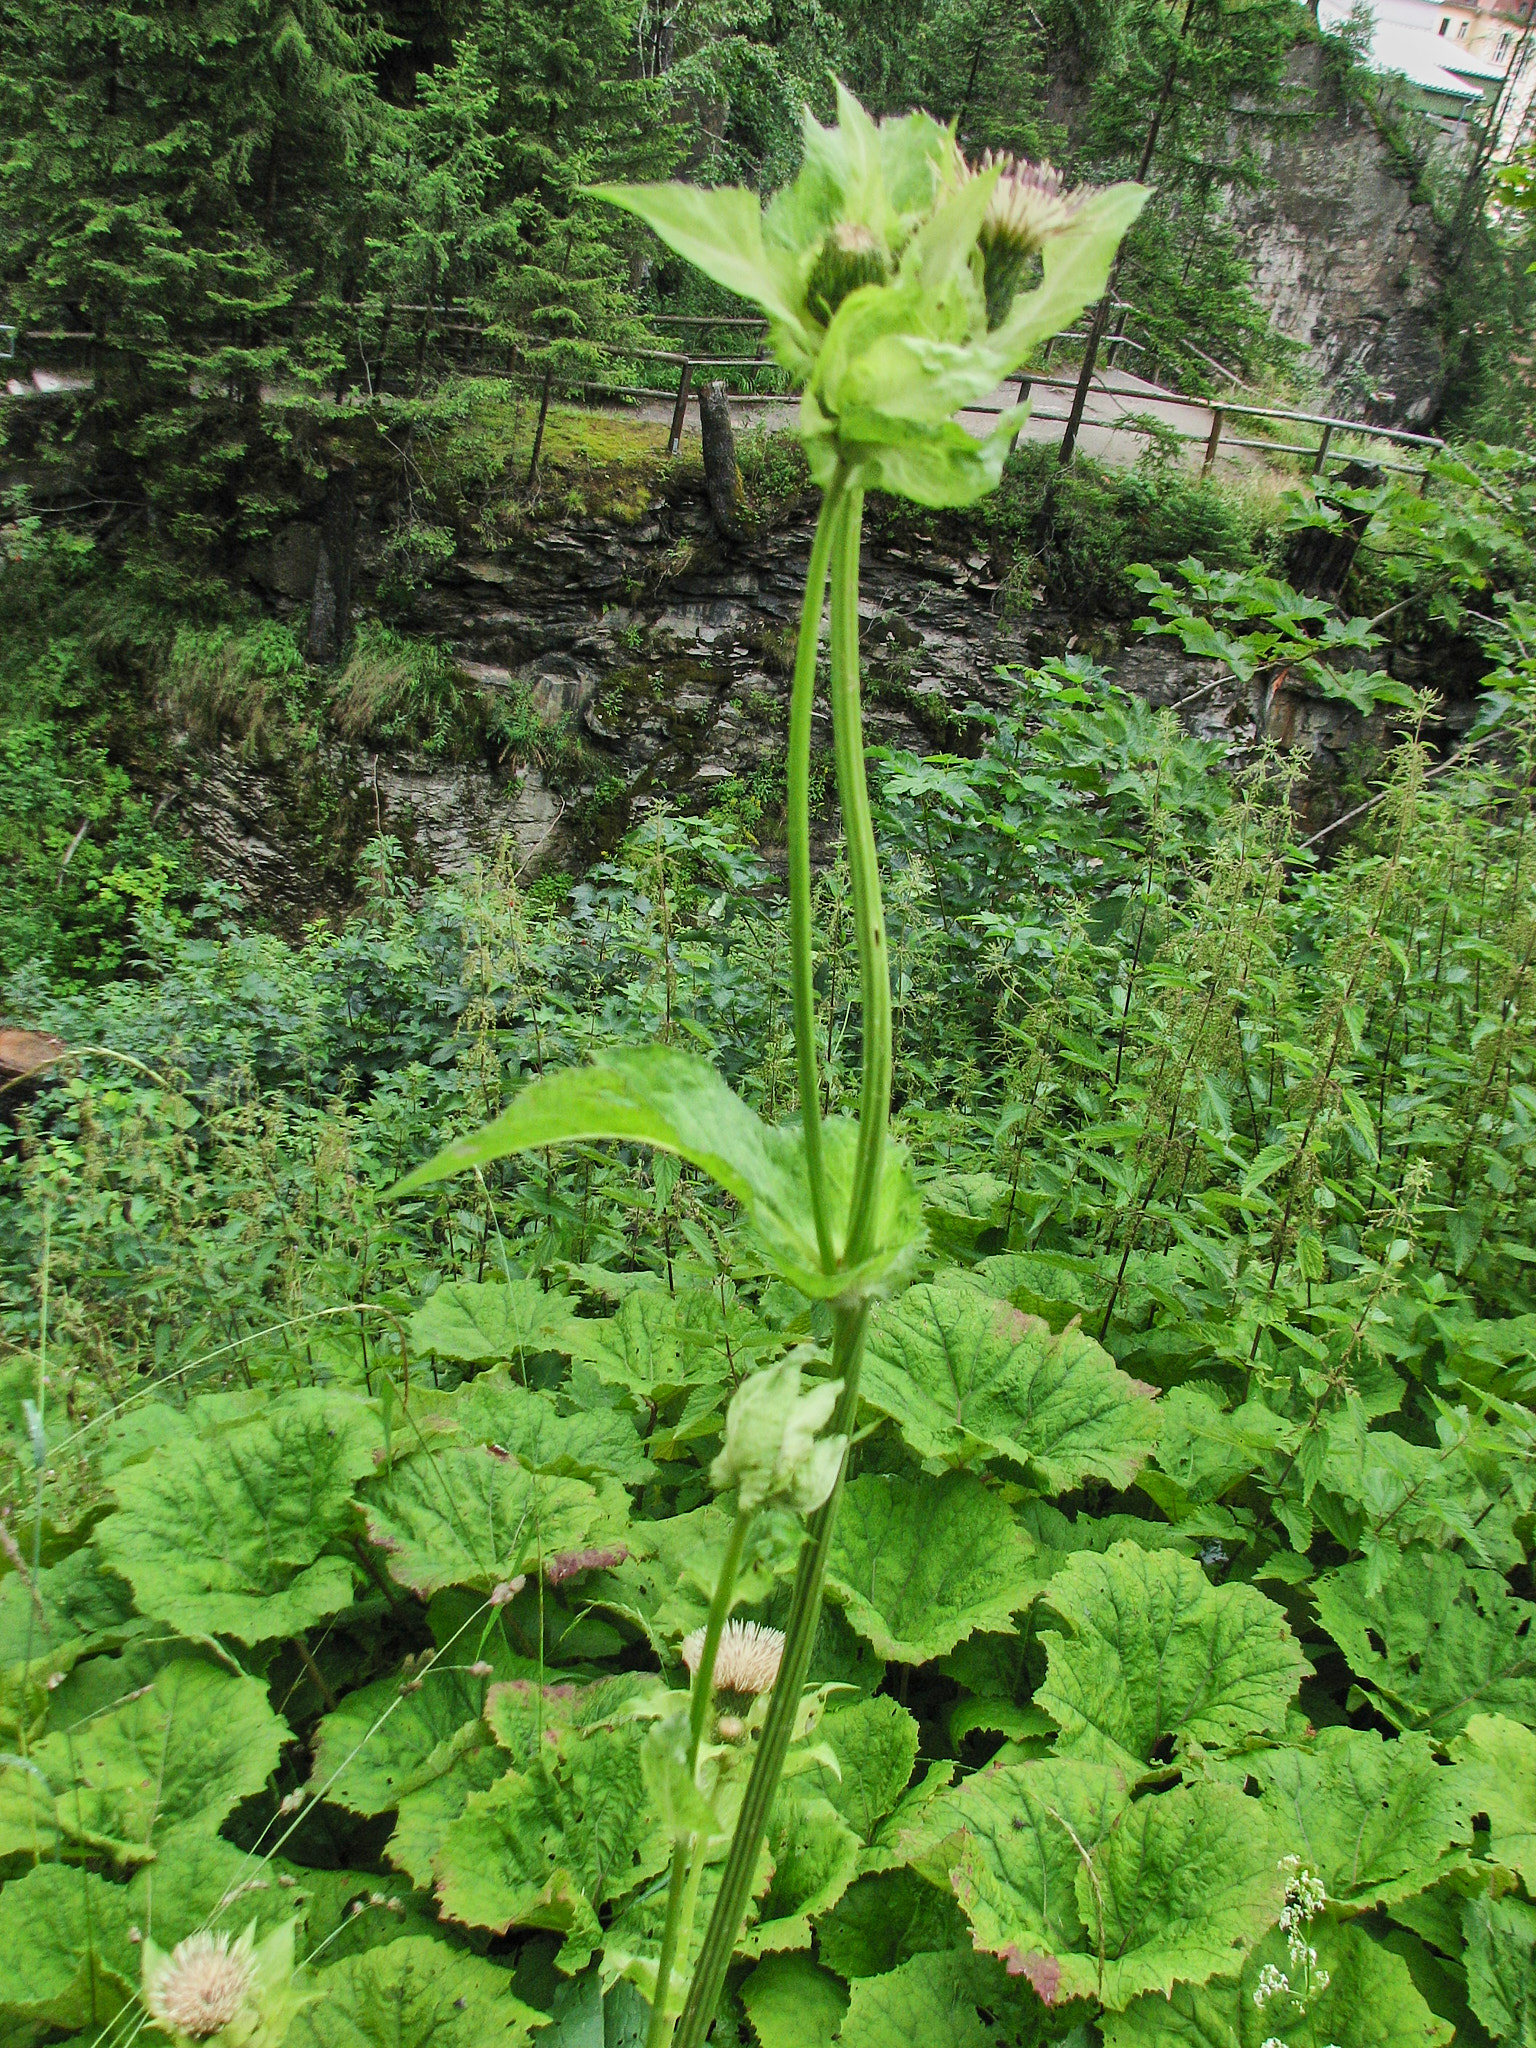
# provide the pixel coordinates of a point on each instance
(901, 284)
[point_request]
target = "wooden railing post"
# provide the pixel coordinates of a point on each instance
(1322, 449)
(680, 410)
(1218, 415)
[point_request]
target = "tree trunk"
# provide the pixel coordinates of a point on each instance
(1317, 560)
(330, 606)
(722, 478)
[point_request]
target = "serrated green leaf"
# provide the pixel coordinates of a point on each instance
(1454, 1641)
(1370, 2002)
(201, 1880)
(1009, 1843)
(794, 2003)
(528, 1721)
(875, 1743)
(1089, 1895)
(1185, 1881)
(815, 1858)
(478, 1321)
(222, 1535)
(1153, 1653)
(926, 1999)
(181, 1754)
(917, 1566)
(413, 1993)
(65, 1957)
(1205, 1449)
(390, 1739)
(886, 1918)
(550, 1847)
(1497, 1759)
(648, 1349)
(675, 1101)
(967, 1377)
(494, 1409)
(475, 1518)
(1374, 1820)
(1501, 1967)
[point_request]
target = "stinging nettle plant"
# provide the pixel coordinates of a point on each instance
(893, 276)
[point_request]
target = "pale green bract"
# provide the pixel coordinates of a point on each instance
(773, 1449)
(884, 377)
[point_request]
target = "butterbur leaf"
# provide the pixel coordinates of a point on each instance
(549, 1847)
(180, 1754)
(966, 1376)
(886, 1918)
(223, 1534)
(1440, 1643)
(475, 1518)
(529, 1721)
(475, 1321)
(65, 1958)
(1153, 1654)
(385, 1742)
(675, 1101)
(875, 1744)
(815, 1859)
(1497, 1760)
(918, 1566)
(794, 2003)
(658, 1345)
(494, 1409)
(1369, 2002)
(1009, 1843)
(1501, 1967)
(1186, 1882)
(1090, 1896)
(1374, 1820)
(417, 1991)
(923, 2000)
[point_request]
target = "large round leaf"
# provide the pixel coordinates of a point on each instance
(917, 1565)
(223, 1534)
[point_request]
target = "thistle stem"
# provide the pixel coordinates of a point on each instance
(849, 1319)
(798, 834)
(864, 875)
(688, 1851)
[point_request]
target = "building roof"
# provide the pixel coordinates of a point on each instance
(1421, 55)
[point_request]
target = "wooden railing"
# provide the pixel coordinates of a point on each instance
(686, 364)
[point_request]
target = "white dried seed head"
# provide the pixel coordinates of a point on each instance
(202, 1984)
(747, 1660)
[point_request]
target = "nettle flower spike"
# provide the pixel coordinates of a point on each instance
(774, 1452)
(892, 274)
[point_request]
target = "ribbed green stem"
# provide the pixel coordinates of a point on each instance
(773, 1745)
(687, 1855)
(864, 875)
(848, 1321)
(798, 834)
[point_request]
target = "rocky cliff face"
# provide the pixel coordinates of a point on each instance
(1345, 256)
(667, 651)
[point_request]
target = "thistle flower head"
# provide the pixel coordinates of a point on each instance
(747, 1661)
(1027, 207)
(850, 256)
(773, 1449)
(201, 1985)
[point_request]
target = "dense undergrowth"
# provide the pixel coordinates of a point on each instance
(1189, 1521)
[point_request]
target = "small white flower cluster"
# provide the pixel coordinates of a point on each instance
(1305, 1898)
